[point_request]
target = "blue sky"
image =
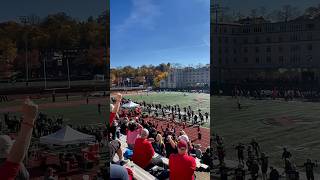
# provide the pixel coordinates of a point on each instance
(159, 31)
(80, 9)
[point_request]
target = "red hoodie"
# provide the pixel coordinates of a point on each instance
(142, 152)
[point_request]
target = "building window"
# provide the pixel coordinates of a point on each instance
(226, 50)
(257, 49)
(234, 40)
(280, 39)
(234, 51)
(309, 36)
(257, 60)
(310, 47)
(226, 39)
(268, 49)
(245, 49)
(292, 59)
(227, 61)
(257, 40)
(281, 60)
(268, 39)
(269, 59)
(310, 26)
(235, 60)
(295, 48)
(245, 40)
(220, 61)
(220, 40)
(245, 60)
(280, 49)
(294, 37)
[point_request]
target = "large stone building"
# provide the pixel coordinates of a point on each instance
(256, 50)
(189, 77)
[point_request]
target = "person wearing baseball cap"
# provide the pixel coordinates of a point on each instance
(181, 165)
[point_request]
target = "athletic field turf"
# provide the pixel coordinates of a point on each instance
(274, 123)
(195, 100)
(75, 111)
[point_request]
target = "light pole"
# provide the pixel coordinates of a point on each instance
(24, 20)
(69, 83)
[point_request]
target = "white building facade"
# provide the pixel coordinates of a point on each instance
(189, 77)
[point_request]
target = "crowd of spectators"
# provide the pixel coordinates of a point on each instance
(144, 138)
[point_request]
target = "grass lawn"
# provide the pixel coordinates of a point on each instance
(41, 101)
(77, 114)
(274, 124)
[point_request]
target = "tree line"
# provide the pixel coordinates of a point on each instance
(59, 31)
(148, 75)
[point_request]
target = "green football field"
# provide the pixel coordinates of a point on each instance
(195, 100)
(75, 111)
(273, 123)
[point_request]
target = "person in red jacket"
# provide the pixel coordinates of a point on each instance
(143, 150)
(10, 169)
(181, 165)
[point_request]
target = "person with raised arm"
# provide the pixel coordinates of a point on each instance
(10, 169)
(115, 108)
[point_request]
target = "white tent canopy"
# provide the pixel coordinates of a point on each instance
(130, 105)
(66, 136)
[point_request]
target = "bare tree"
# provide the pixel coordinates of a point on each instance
(288, 12)
(239, 15)
(312, 12)
(253, 13)
(262, 11)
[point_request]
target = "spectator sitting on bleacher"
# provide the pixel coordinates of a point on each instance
(198, 151)
(181, 165)
(159, 146)
(117, 171)
(115, 148)
(207, 157)
(143, 150)
(185, 137)
(133, 132)
(170, 145)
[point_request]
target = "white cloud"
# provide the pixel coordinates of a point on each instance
(143, 15)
